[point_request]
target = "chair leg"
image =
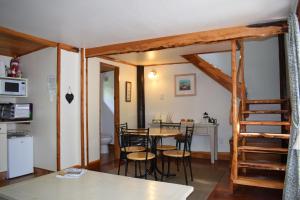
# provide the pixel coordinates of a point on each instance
(135, 169)
(162, 167)
(177, 163)
(119, 166)
(179, 146)
(126, 167)
(145, 169)
(184, 167)
(140, 168)
(190, 165)
(168, 174)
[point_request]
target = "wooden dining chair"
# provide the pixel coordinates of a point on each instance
(125, 146)
(161, 146)
(184, 155)
(141, 156)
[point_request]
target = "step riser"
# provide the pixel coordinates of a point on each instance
(265, 135)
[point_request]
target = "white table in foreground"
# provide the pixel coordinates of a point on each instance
(94, 186)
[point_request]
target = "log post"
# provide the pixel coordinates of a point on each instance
(234, 102)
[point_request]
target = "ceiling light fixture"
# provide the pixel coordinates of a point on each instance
(152, 74)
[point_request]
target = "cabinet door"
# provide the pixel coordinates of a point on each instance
(3, 152)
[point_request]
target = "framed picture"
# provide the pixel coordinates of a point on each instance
(185, 84)
(128, 91)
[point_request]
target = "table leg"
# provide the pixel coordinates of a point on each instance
(212, 145)
(216, 142)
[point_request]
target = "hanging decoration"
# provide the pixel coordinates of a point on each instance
(69, 96)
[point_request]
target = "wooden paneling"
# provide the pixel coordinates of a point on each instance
(58, 76)
(223, 34)
(82, 107)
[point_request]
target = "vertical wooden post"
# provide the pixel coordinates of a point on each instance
(87, 112)
(140, 97)
(242, 75)
(82, 51)
(116, 111)
(58, 68)
(234, 102)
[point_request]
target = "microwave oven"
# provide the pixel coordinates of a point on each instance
(13, 87)
(16, 111)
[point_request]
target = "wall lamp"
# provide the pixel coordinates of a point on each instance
(153, 74)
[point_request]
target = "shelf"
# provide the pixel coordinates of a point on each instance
(16, 122)
(13, 78)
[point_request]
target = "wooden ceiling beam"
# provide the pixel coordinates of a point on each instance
(212, 71)
(251, 31)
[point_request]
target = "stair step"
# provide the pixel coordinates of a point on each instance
(265, 135)
(264, 166)
(265, 101)
(255, 149)
(265, 123)
(265, 111)
(273, 184)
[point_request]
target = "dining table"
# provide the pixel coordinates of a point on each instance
(93, 186)
(156, 133)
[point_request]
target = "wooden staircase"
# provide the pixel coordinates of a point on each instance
(242, 164)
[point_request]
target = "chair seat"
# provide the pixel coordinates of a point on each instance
(140, 156)
(131, 149)
(165, 147)
(176, 153)
(180, 138)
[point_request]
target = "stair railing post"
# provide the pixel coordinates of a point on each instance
(234, 103)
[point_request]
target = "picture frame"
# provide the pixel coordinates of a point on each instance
(185, 84)
(128, 85)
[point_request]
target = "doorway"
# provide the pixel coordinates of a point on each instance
(109, 110)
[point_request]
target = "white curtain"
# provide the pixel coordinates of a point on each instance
(292, 181)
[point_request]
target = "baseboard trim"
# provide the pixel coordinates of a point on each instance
(3, 175)
(39, 171)
(206, 155)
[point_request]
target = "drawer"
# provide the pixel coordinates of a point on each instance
(3, 128)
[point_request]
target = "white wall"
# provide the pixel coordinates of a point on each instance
(70, 113)
(94, 108)
(261, 71)
(37, 67)
(128, 110)
(107, 104)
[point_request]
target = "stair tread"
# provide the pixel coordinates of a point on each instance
(265, 111)
(261, 165)
(274, 184)
(265, 135)
(265, 101)
(271, 123)
(255, 149)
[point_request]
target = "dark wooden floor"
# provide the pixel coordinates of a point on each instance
(223, 190)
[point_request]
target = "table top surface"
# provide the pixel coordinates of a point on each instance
(164, 132)
(92, 186)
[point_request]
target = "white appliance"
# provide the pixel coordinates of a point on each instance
(13, 87)
(20, 155)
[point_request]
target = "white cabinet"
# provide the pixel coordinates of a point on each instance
(3, 147)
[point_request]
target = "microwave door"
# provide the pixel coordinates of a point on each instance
(11, 88)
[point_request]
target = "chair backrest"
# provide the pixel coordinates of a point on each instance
(122, 127)
(189, 131)
(170, 125)
(135, 137)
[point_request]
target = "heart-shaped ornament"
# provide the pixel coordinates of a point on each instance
(69, 97)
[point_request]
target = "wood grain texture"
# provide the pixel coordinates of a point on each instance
(255, 149)
(266, 101)
(116, 111)
(58, 79)
(274, 184)
(212, 71)
(234, 103)
(69, 48)
(87, 111)
(265, 135)
(265, 123)
(262, 166)
(189, 39)
(82, 57)
(265, 111)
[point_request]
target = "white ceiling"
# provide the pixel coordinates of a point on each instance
(172, 55)
(90, 23)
